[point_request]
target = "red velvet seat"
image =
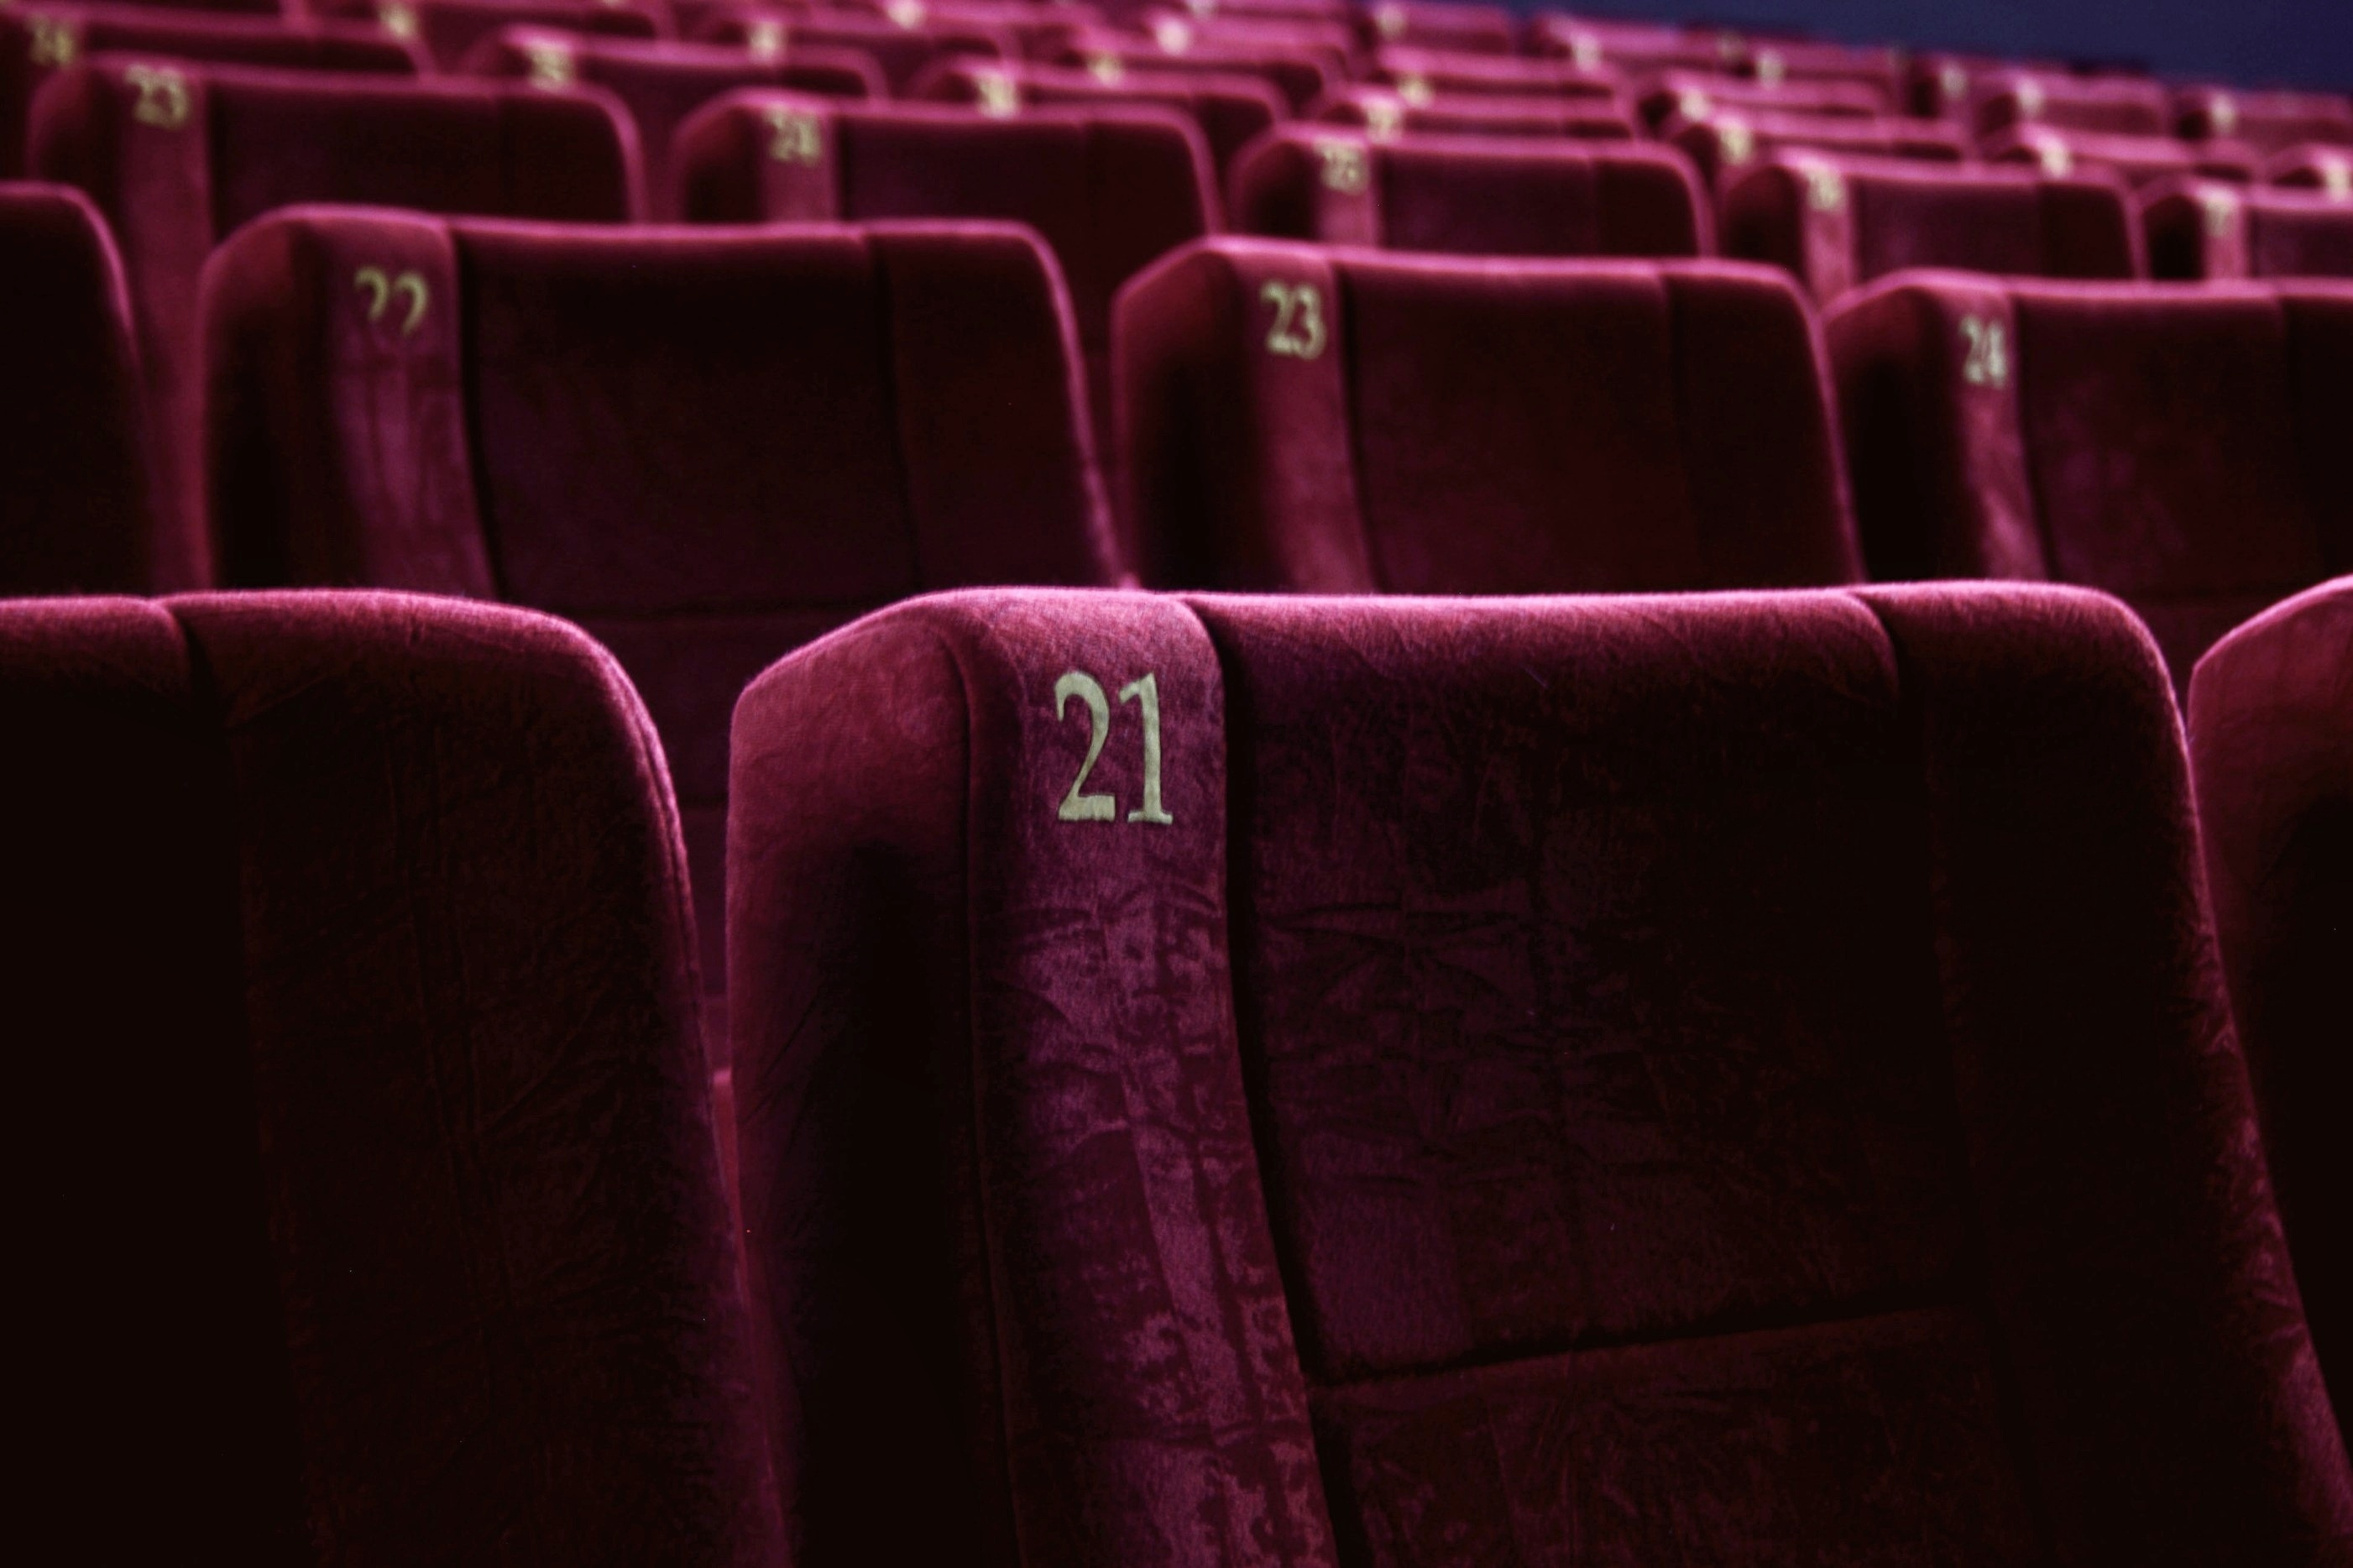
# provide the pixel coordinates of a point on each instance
(1707, 1079)
(705, 449)
(74, 460)
(1458, 25)
(39, 41)
(1692, 95)
(1425, 75)
(351, 969)
(1334, 41)
(1722, 146)
(661, 84)
(1942, 85)
(1470, 195)
(449, 29)
(2139, 160)
(2271, 736)
(1301, 74)
(1342, 421)
(1385, 114)
(2182, 448)
(2268, 121)
(2107, 106)
(1036, 31)
(902, 53)
(2201, 229)
(1231, 110)
(178, 157)
(2314, 166)
(1837, 223)
(1634, 48)
(1110, 189)
(1817, 63)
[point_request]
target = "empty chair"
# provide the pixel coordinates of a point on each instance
(2316, 166)
(1815, 63)
(2181, 448)
(1469, 195)
(2267, 122)
(1453, 25)
(1231, 110)
(74, 460)
(1385, 113)
(662, 84)
(1109, 188)
(449, 29)
(1837, 223)
(1347, 422)
(1178, 32)
(2200, 229)
(2271, 736)
(1036, 31)
(178, 157)
(1634, 48)
(2108, 106)
(1700, 1079)
(2137, 160)
(1943, 85)
(1722, 144)
(1302, 75)
(902, 53)
(1690, 95)
(705, 447)
(1424, 76)
(353, 930)
(38, 42)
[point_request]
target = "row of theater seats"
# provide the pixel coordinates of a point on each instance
(1218, 1082)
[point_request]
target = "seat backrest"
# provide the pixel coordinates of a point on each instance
(2314, 166)
(2271, 737)
(1422, 75)
(1696, 95)
(1384, 114)
(1722, 144)
(1231, 110)
(2270, 121)
(1940, 84)
(2112, 106)
(177, 157)
(1837, 222)
(1450, 25)
(2204, 230)
(1634, 48)
(706, 449)
(1471, 195)
(1709, 1078)
(449, 30)
(74, 459)
(1301, 74)
(2136, 158)
(2178, 447)
(902, 53)
(1343, 421)
(350, 971)
(1879, 69)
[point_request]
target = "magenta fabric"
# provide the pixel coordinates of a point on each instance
(1943, 84)
(1451, 24)
(1231, 110)
(1302, 73)
(372, 911)
(903, 53)
(2314, 166)
(1724, 143)
(1736, 1080)
(1384, 114)
(75, 463)
(449, 30)
(1837, 223)
(1470, 195)
(2269, 122)
(1696, 95)
(2137, 160)
(1819, 63)
(1421, 75)
(2201, 229)
(1634, 48)
(2271, 735)
(2111, 106)
(2178, 447)
(1345, 421)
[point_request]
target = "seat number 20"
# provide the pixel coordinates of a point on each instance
(1080, 806)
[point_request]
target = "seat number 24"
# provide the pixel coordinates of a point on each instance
(1078, 804)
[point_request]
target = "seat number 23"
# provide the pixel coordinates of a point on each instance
(1078, 805)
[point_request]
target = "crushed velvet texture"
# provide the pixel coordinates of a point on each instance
(449, 29)
(1731, 1078)
(410, 1110)
(1231, 110)
(1721, 146)
(2269, 122)
(1347, 422)
(1470, 196)
(2177, 447)
(1837, 222)
(74, 459)
(2200, 229)
(2271, 733)
(179, 163)
(903, 53)
(704, 447)
(1385, 113)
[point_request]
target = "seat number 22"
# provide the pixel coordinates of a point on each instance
(1080, 806)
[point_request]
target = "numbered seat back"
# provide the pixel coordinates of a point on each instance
(449, 30)
(2314, 166)
(1342, 421)
(705, 449)
(1470, 196)
(1277, 1081)
(1838, 222)
(2137, 160)
(902, 53)
(350, 967)
(1302, 73)
(1426, 76)
(2205, 229)
(2269, 122)
(2110, 106)
(1698, 95)
(1231, 110)
(1449, 25)
(1635, 48)
(1385, 113)
(2181, 448)
(1724, 145)
(2271, 733)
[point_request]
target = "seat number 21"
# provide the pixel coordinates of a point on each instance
(1078, 805)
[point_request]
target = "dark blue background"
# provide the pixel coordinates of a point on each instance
(2252, 42)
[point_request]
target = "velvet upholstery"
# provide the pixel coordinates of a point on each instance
(2178, 447)
(2137, 160)
(2268, 121)
(74, 463)
(1109, 188)
(1385, 114)
(1231, 110)
(1432, 425)
(2271, 738)
(1823, 63)
(178, 157)
(2200, 229)
(1335, 42)
(449, 30)
(903, 53)
(36, 42)
(1838, 223)
(1634, 48)
(1301, 74)
(1699, 1079)
(1695, 95)
(660, 84)
(1471, 195)
(2314, 166)
(1457, 25)
(1421, 75)
(394, 1232)
(2108, 106)
(1944, 84)
(703, 447)
(1722, 144)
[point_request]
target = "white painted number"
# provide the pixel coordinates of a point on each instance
(1078, 805)
(1298, 330)
(1987, 362)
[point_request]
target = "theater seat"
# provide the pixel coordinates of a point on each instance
(1815, 63)
(1109, 188)
(1470, 195)
(1231, 110)
(1342, 421)
(74, 460)
(1695, 95)
(350, 969)
(449, 29)
(1940, 84)
(2137, 160)
(1385, 114)
(2180, 447)
(1837, 223)
(2314, 166)
(1454, 26)
(2106, 106)
(2271, 735)
(177, 157)
(902, 53)
(1724, 143)
(1709, 1079)
(38, 41)
(1425, 75)
(2203, 229)
(1301, 74)
(1634, 48)
(662, 84)
(2267, 122)
(704, 447)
